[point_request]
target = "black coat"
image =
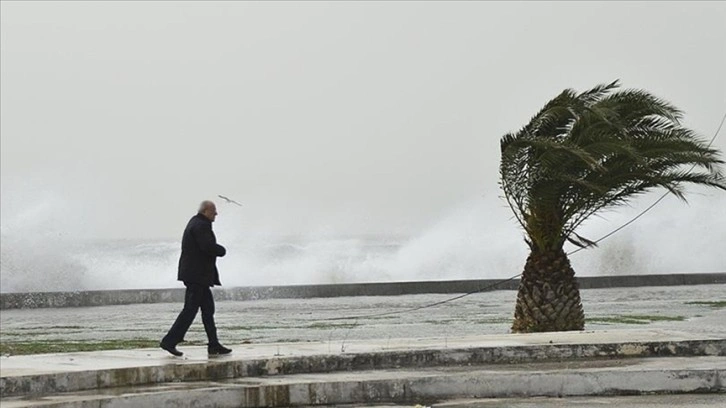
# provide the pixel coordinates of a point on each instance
(197, 263)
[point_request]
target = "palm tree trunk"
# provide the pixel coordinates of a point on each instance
(549, 296)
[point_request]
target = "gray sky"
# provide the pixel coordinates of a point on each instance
(377, 117)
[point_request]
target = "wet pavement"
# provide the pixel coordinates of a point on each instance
(608, 362)
(311, 320)
(635, 401)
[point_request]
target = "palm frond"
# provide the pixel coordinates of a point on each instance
(582, 153)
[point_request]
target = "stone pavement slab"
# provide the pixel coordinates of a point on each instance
(579, 378)
(693, 309)
(715, 400)
(52, 373)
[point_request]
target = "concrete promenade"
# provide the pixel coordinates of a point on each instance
(288, 352)
(692, 309)
(416, 370)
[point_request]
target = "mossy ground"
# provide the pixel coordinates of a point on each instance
(716, 304)
(633, 319)
(42, 347)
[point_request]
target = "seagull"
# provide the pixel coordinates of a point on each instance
(229, 200)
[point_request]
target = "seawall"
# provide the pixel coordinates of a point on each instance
(132, 296)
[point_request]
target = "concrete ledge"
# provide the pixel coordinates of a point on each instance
(613, 377)
(94, 370)
(123, 297)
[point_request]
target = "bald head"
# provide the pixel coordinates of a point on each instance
(208, 209)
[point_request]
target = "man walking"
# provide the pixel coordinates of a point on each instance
(198, 271)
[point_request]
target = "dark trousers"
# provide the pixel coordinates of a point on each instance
(197, 296)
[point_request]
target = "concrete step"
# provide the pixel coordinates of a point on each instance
(710, 400)
(50, 374)
(426, 385)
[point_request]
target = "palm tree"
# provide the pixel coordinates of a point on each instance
(580, 154)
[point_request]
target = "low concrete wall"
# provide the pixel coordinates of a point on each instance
(470, 385)
(228, 368)
(131, 296)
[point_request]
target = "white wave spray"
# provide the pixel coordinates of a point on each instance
(42, 251)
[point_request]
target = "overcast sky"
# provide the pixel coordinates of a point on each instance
(374, 117)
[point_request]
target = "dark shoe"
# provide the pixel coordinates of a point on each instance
(171, 349)
(218, 350)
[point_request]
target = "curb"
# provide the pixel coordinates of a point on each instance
(603, 378)
(71, 381)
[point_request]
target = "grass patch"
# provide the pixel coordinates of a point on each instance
(442, 321)
(232, 328)
(42, 347)
(656, 318)
(716, 304)
(614, 320)
(32, 333)
(326, 326)
(382, 318)
(634, 319)
(50, 328)
(494, 320)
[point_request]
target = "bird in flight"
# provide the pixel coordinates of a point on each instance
(229, 200)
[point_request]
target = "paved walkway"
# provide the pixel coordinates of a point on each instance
(560, 379)
(40, 364)
(637, 401)
(305, 320)
(41, 374)
(439, 347)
